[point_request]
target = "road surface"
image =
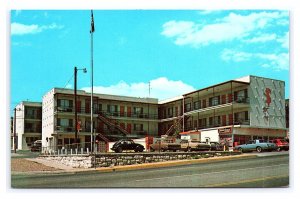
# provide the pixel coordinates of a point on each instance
(264, 171)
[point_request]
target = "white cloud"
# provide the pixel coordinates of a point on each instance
(207, 12)
(276, 61)
(233, 26)
(284, 40)
(161, 88)
(231, 55)
(22, 29)
(262, 38)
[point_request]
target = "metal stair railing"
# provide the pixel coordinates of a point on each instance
(179, 120)
(111, 122)
(103, 137)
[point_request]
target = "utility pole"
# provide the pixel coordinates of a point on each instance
(75, 108)
(15, 134)
(75, 99)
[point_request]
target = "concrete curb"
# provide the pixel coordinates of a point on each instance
(171, 163)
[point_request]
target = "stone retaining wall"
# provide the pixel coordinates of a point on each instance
(118, 159)
(75, 161)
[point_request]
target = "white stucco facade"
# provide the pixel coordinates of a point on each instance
(28, 123)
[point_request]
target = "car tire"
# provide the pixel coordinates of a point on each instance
(119, 150)
(151, 149)
(138, 149)
(258, 149)
(240, 150)
(189, 149)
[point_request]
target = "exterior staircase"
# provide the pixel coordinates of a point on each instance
(111, 123)
(178, 121)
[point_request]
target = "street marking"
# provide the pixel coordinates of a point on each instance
(210, 173)
(246, 181)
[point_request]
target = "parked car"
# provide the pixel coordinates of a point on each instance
(125, 145)
(36, 146)
(256, 145)
(165, 145)
(191, 145)
(281, 144)
(215, 146)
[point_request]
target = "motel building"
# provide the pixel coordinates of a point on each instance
(231, 112)
(237, 110)
(114, 117)
(28, 124)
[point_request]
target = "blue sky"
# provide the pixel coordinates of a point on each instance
(177, 51)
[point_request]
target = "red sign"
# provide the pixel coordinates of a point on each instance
(268, 97)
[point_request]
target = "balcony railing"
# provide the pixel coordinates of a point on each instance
(33, 130)
(83, 110)
(244, 100)
(30, 116)
(72, 129)
(217, 124)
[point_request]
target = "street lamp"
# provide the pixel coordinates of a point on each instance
(75, 96)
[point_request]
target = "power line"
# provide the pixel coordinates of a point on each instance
(69, 80)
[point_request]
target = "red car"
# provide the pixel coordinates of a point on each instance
(281, 144)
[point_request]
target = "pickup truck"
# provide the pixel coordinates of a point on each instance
(163, 145)
(256, 145)
(187, 145)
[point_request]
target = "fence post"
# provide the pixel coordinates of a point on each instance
(58, 152)
(66, 151)
(71, 151)
(87, 150)
(81, 151)
(76, 151)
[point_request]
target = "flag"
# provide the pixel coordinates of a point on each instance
(92, 22)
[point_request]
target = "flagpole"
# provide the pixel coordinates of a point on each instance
(92, 79)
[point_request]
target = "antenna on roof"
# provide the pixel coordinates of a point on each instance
(149, 87)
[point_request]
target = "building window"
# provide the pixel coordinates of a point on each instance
(241, 117)
(29, 127)
(29, 113)
(197, 105)
(214, 121)
(138, 127)
(170, 112)
(112, 108)
(138, 110)
(64, 103)
(64, 122)
(214, 101)
(187, 107)
(240, 96)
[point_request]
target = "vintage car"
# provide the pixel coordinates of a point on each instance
(191, 145)
(281, 144)
(126, 145)
(165, 145)
(256, 145)
(36, 146)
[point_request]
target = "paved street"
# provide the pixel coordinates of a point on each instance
(264, 171)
